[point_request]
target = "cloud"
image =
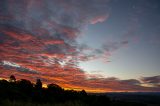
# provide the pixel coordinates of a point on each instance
(46, 24)
(11, 65)
(112, 46)
(99, 19)
(112, 84)
(154, 80)
(104, 52)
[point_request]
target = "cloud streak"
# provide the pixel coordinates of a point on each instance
(154, 80)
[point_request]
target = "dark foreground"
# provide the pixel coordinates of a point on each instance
(25, 93)
(149, 98)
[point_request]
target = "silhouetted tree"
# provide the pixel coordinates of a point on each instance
(25, 85)
(54, 87)
(38, 94)
(12, 78)
(38, 84)
(56, 92)
(83, 92)
(4, 88)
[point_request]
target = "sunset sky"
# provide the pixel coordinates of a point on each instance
(96, 45)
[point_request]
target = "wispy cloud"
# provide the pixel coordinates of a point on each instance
(153, 80)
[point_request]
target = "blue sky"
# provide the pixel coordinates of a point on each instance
(140, 57)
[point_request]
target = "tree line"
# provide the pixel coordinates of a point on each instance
(25, 91)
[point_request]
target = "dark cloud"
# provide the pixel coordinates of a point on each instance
(112, 46)
(104, 52)
(154, 80)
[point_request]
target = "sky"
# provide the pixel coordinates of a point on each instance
(96, 45)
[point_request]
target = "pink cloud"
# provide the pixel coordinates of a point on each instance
(99, 19)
